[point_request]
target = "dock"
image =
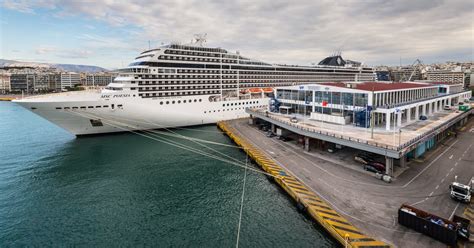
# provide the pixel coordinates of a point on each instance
(320, 211)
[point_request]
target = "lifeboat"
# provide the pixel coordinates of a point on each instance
(255, 90)
(267, 90)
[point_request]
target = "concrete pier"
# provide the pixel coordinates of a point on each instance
(322, 212)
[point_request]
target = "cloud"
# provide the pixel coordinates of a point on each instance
(64, 53)
(283, 31)
(45, 50)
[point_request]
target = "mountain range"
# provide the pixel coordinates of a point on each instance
(65, 67)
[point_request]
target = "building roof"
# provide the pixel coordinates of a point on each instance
(378, 86)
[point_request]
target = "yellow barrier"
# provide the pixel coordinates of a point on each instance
(343, 231)
(6, 98)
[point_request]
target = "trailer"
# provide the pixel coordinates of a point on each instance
(434, 226)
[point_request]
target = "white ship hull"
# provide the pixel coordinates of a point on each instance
(135, 113)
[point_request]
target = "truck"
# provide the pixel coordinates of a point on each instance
(460, 192)
(441, 229)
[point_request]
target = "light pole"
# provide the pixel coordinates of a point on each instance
(372, 123)
(399, 136)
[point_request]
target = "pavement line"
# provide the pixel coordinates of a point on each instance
(456, 164)
(451, 216)
(431, 194)
(437, 186)
(442, 180)
(430, 164)
(451, 157)
(451, 169)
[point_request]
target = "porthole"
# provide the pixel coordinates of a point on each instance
(167, 102)
(173, 102)
(179, 101)
(161, 103)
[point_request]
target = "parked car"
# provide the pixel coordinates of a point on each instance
(377, 165)
(265, 128)
(370, 168)
(270, 134)
(362, 158)
(293, 119)
(447, 107)
(423, 117)
(283, 138)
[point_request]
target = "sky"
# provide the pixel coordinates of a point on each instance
(112, 33)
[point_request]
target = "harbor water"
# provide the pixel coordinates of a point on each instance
(129, 190)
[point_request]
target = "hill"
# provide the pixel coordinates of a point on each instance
(65, 67)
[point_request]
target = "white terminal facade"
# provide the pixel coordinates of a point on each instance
(390, 104)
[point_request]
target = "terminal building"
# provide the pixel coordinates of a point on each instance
(387, 104)
(394, 120)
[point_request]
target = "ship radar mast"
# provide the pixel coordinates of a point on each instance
(200, 39)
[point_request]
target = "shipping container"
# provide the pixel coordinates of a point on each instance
(436, 227)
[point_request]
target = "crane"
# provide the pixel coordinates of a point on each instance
(416, 64)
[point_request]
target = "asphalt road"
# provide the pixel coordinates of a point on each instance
(372, 204)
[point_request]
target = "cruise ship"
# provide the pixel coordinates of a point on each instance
(179, 85)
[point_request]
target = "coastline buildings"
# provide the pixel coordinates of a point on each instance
(4, 82)
(449, 76)
(99, 79)
(68, 80)
(38, 78)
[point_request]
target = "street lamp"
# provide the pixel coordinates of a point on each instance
(399, 136)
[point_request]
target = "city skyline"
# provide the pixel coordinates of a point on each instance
(111, 34)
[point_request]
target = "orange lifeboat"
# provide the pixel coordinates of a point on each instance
(255, 90)
(268, 90)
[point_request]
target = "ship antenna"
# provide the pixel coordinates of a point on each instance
(200, 39)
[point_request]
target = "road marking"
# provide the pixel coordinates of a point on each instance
(431, 194)
(451, 216)
(456, 164)
(432, 162)
(451, 157)
(271, 152)
(437, 186)
(418, 202)
(442, 180)
(451, 169)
